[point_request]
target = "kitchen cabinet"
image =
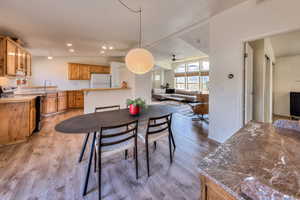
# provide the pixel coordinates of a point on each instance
(84, 72)
(32, 117)
(18, 119)
(14, 59)
(11, 58)
(78, 71)
(73, 71)
(49, 104)
(28, 64)
(62, 101)
(99, 69)
(21, 60)
(75, 99)
(212, 191)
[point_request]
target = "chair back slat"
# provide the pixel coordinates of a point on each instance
(112, 135)
(117, 141)
(158, 124)
(155, 125)
(118, 134)
(158, 131)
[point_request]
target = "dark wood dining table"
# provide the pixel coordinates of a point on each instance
(92, 123)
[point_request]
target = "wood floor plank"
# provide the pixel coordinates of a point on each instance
(46, 167)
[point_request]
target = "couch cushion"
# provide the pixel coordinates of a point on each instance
(159, 91)
(185, 92)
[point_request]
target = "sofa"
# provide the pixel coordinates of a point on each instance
(175, 94)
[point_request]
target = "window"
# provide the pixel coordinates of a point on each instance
(205, 66)
(192, 76)
(204, 83)
(180, 69)
(193, 67)
(180, 82)
(157, 77)
(193, 83)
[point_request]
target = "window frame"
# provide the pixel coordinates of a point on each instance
(200, 73)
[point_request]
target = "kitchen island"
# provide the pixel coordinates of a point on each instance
(17, 119)
(259, 162)
(94, 97)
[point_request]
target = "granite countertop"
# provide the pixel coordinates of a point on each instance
(17, 99)
(259, 160)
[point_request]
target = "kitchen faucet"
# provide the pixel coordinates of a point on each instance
(45, 84)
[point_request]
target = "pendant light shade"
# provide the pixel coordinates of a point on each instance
(139, 61)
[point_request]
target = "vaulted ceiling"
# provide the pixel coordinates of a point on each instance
(46, 26)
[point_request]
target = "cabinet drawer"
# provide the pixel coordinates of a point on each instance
(62, 94)
(51, 95)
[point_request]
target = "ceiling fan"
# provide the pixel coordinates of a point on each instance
(174, 57)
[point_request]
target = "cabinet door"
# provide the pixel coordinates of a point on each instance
(11, 59)
(84, 72)
(2, 56)
(73, 71)
(19, 59)
(79, 99)
(61, 103)
(28, 64)
(49, 105)
(71, 99)
(32, 122)
(99, 69)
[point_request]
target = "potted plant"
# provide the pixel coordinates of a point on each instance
(135, 105)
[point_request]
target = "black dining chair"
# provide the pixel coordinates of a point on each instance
(158, 128)
(86, 139)
(115, 139)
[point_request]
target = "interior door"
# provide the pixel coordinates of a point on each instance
(248, 83)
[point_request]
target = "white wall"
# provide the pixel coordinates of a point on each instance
(286, 80)
(228, 31)
(56, 70)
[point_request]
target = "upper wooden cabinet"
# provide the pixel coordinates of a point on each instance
(84, 72)
(11, 58)
(28, 64)
(99, 69)
(73, 71)
(14, 60)
(78, 71)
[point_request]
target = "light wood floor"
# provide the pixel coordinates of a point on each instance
(46, 167)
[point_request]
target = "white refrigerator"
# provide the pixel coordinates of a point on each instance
(100, 81)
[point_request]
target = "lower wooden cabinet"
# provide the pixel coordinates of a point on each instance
(49, 104)
(75, 99)
(62, 101)
(32, 116)
(212, 191)
(18, 121)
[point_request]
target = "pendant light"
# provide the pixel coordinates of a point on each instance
(138, 60)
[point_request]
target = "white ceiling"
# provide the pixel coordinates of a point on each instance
(46, 25)
(287, 44)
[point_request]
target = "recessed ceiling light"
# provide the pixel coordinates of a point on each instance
(69, 44)
(104, 47)
(111, 48)
(102, 52)
(50, 57)
(71, 50)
